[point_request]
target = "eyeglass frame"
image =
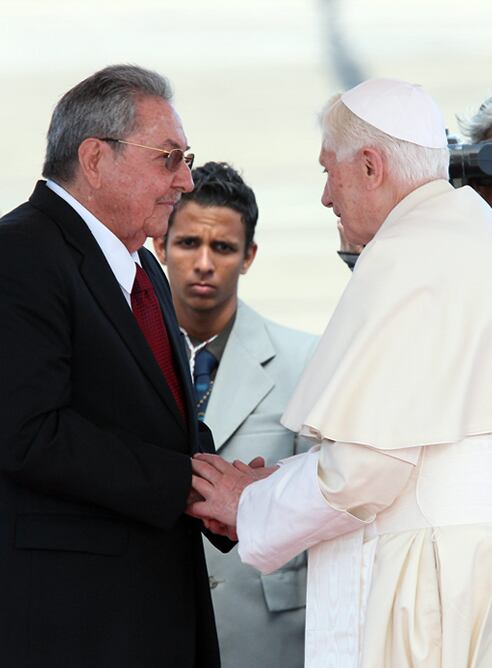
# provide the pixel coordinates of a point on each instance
(187, 158)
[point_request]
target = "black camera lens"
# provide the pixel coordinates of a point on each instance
(470, 162)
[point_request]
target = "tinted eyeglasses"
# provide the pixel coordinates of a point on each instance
(172, 159)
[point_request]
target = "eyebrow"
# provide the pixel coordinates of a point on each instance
(197, 237)
(179, 237)
(172, 144)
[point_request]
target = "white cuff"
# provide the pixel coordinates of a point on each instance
(286, 513)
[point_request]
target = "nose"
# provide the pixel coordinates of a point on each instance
(204, 264)
(326, 197)
(183, 181)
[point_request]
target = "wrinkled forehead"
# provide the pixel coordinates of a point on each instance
(158, 117)
(327, 157)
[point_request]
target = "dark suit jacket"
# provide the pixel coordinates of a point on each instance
(99, 568)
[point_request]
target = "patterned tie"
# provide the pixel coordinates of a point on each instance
(205, 363)
(148, 315)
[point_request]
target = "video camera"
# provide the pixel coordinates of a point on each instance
(470, 163)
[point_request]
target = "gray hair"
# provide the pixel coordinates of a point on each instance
(409, 164)
(479, 126)
(103, 105)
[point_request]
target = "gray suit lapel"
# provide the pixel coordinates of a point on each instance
(241, 381)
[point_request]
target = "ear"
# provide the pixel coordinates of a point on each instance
(249, 256)
(91, 159)
(160, 249)
(373, 167)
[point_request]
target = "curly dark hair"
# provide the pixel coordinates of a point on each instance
(219, 184)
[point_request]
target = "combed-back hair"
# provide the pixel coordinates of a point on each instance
(479, 126)
(103, 105)
(411, 164)
(219, 184)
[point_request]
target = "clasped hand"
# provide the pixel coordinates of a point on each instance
(216, 488)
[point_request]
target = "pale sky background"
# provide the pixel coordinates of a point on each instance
(250, 77)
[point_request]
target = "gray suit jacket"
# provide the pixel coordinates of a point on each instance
(260, 619)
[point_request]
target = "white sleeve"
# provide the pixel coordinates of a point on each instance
(362, 480)
(315, 497)
(286, 513)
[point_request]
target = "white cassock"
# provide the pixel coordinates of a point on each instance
(394, 501)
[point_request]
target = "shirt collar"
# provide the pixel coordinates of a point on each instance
(121, 261)
(218, 344)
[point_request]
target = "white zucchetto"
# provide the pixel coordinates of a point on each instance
(400, 109)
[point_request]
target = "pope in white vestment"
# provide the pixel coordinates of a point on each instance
(396, 492)
(411, 343)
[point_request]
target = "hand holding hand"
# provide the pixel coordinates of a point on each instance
(221, 484)
(221, 529)
(193, 497)
(256, 468)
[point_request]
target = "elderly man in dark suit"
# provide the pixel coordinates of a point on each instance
(99, 566)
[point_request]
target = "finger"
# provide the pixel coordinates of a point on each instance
(232, 534)
(193, 496)
(203, 487)
(198, 510)
(257, 463)
(220, 528)
(241, 466)
(216, 527)
(213, 460)
(204, 470)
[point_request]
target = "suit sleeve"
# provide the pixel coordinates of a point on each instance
(46, 444)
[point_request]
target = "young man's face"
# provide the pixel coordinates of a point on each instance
(205, 254)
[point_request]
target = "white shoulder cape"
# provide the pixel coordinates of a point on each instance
(406, 359)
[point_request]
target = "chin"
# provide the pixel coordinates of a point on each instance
(157, 227)
(201, 305)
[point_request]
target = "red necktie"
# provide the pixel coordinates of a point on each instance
(148, 315)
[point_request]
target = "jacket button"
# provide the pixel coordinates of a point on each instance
(213, 582)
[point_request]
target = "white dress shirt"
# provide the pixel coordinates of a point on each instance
(121, 261)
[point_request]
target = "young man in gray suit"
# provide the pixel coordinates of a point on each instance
(245, 368)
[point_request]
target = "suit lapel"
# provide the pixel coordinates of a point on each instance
(241, 381)
(101, 282)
